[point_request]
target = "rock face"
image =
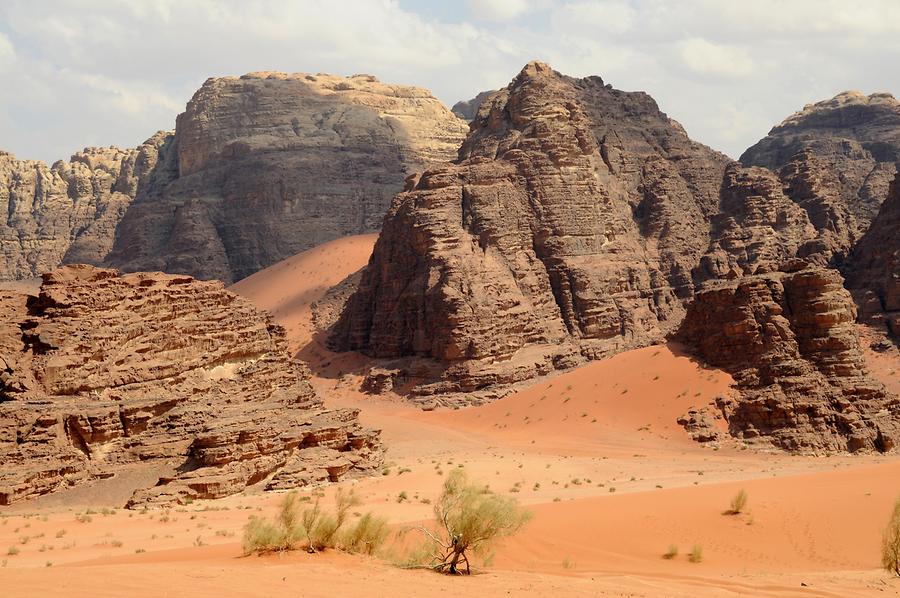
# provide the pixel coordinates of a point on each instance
(790, 342)
(468, 109)
(266, 165)
(104, 371)
(757, 227)
(836, 159)
(67, 212)
(568, 229)
(873, 273)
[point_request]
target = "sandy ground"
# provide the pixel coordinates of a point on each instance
(594, 453)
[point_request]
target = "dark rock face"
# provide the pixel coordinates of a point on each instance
(67, 212)
(568, 229)
(836, 159)
(104, 371)
(789, 339)
(873, 273)
(267, 165)
(756, 229)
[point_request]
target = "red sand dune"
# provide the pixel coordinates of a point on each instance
(595, 453)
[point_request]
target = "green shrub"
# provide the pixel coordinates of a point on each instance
(469, 519)
(696, 554)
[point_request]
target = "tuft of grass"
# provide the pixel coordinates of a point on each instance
(403, 496)
(83, 517)
(738, 503)
(696, 554)
(367, 535)
(671, 553)
(12, 551)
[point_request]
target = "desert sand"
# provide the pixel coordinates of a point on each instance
(594, 453)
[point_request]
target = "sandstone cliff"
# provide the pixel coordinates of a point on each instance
(789, 339)
(67, 212)
(266, 165)
(568, 229)
(873, 273)
(102, 372)
(836, 159)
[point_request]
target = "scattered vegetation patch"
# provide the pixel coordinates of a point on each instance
(315, 529)
(671, 553)
(696, 554)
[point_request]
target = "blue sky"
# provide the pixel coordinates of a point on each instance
(101, 72)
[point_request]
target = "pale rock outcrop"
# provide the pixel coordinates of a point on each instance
(266, 165)
(67, 212)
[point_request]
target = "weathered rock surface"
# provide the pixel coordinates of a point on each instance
(266, 165)
(102, 370)
(67, 212)
(468, 109)
(567, 230)
(757, 227)
(789, 340)
(873, 273)
(836, 159)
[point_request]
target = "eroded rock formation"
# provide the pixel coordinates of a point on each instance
(468, 109)
(568, 229)
(789, 340)
(836, 159)
(67, 212)
(103, 371)
(266, 165)
(873, 273)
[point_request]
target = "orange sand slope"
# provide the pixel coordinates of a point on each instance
(594, 453)
(289, 287)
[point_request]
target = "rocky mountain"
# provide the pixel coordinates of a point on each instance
(873, 273)
(789, 339)
(568, 229)
(102, 373)
(67, 212)
(258, 168)
(266, 165)
(836, 159)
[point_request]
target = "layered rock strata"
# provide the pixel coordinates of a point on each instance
(873, 273)
(264, 166)
(789, 340)
(567, 230)
(67, 212)
(836, 159)
(103, 371)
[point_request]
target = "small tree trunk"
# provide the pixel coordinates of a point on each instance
(454, 561)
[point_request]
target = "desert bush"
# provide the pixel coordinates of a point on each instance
(696, 554)
(738, 503)
(314, 528)
(369, 533)
(671, 553)
(890, 543)
(469, 519)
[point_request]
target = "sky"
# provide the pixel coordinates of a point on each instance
(79, 73)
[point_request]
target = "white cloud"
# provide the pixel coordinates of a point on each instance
(7, 52)
(707, 58)
(107, 71)
(498, 10)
